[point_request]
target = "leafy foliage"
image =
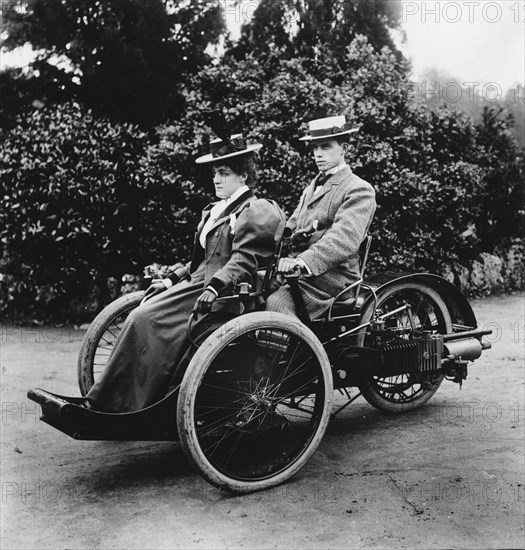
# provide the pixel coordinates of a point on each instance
(305, 28)
(22, 93)
(436, 90)
(503, 203)
(87, 199)
(71, 190)
(126, 56)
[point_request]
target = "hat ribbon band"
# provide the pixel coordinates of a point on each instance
(227, 147)
(329, 131)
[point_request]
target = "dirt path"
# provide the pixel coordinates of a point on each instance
(450, 475)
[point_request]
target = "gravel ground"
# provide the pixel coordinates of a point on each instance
(449, 475)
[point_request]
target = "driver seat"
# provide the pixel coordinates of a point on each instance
(345, 301)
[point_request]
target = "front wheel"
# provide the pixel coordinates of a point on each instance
(100, 338)
(254, 402)
(405, 392)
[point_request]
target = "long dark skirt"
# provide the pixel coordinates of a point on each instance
(150, 346)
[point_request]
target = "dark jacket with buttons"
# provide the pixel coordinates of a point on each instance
(242, 240)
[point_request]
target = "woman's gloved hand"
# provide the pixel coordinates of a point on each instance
(204, 302)
(154, 289)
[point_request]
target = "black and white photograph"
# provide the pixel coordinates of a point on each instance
(262, 274)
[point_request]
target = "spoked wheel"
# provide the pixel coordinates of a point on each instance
(100, 338)
(405, 392)
(254, 402)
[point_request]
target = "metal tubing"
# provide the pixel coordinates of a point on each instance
(466, 334)
(385, 316)
(393, 312)
(344, 291)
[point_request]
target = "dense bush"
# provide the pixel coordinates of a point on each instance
(86, 199)
(71, 189)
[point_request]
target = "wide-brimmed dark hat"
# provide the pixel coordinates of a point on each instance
(328, 128)
(224, 149)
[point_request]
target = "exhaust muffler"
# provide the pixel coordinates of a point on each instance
(466, 349)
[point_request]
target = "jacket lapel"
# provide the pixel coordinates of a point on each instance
(232, 207)
(204, 216)
(332, 181)
(316, 196)
(198, 253)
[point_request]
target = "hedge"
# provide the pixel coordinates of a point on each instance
(87, 199)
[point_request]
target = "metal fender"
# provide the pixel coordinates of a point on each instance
(459, 307)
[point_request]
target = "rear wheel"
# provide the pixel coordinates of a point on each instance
(405, 392)
(100, 338)
(254, 402)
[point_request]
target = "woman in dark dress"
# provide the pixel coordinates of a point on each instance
(236, 236)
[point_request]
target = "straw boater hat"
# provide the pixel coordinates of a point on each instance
(328, 128)
(221, 149)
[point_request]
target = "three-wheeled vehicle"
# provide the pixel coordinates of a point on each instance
(255, 393)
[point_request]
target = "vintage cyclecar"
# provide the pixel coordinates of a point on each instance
(254, 394)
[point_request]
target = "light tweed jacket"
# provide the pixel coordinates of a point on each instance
(340, 213)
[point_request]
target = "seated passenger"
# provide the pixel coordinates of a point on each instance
(236, 235)
(329, 224)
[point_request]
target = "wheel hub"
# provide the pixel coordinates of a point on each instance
(261, 400)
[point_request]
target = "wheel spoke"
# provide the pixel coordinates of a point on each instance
(249, 424)
(427, 313)
(100, 342)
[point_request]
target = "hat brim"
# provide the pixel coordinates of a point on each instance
(328, 136)
(210, 158)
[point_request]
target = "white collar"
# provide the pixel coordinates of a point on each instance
(223, 203)
(335, 169)
(237, 193)
(217, 210)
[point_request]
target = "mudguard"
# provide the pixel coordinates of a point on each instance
(459, 307)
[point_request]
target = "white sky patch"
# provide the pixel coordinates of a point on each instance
(479, 41)
(237, 14)
(473, 41)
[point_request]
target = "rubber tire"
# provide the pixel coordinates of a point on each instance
(367, 389)
(94, 333)
(192, 379)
